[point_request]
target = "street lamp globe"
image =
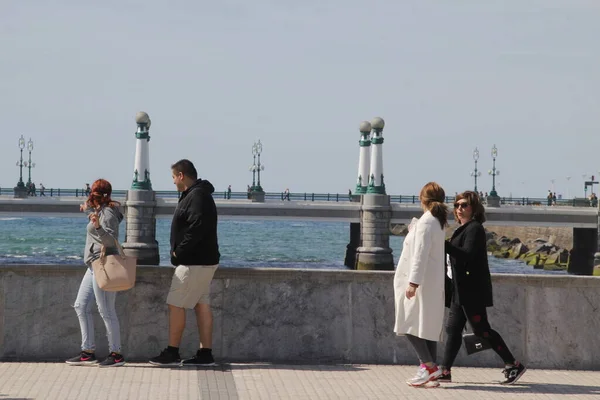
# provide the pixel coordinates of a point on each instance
(494, 151)
(378, 123)
(475, 154)
(30, 145)
(21, 142)
(365, 127)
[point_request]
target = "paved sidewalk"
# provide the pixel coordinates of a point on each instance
(20, 381)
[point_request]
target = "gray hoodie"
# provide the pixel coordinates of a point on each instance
(106, 235)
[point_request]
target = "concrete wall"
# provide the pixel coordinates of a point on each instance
(563, 236)
(311, 316)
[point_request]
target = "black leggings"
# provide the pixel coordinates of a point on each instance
(478, 321)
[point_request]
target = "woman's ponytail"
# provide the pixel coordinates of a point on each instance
(440, 211)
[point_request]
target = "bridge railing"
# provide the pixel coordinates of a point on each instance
(309, 196)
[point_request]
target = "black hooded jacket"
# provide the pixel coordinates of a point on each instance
(194, 228)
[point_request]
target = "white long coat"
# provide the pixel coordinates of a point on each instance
(421, 262)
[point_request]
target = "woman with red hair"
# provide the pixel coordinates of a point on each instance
(102, 231)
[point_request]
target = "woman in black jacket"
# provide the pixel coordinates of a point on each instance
(471, 289)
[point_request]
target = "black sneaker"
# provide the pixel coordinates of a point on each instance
(513, 374)
(166, 357)
(113, 360)
(445, 377)
(84, 358)
(203, 358)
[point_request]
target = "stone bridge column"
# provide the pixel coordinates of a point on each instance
(375, 216)
(140, 236)
(376, 212)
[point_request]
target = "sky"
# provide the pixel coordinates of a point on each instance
(446, 76)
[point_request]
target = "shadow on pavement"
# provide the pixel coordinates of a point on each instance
(525, 387)
(297, 367)
(227, 367)
(3, 397)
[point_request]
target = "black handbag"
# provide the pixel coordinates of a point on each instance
(474, 344)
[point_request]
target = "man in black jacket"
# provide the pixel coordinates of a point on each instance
(195, 254)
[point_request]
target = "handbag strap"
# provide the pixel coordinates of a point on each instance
(117, 245)
(467, 323)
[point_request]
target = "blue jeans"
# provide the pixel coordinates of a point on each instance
(88, 291)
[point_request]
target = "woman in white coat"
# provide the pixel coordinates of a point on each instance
(419, 283)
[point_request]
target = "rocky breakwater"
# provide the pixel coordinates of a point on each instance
(538, 253)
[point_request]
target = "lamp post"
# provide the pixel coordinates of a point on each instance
(493, 199)
(29, 164)
(257, 192)
(568, 187)
(253, 168)
(21, 184)
(494, 172)
(20, 190)
(475, 173)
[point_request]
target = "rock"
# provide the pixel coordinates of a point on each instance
(552, 259)
(546, 248)
(563, 257)
(518, 250)
(503, 240)
(490, 236)
(399, 230)
(492, 245)
(501, 253)
(534, 260)
(554, 267)
(539, 253)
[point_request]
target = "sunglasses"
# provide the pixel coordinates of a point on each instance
(461, 205)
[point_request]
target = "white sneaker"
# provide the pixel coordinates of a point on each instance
(422, 374)
(425, 375)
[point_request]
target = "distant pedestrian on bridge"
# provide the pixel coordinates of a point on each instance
(195, 255)
(419, 284)
(471, 289)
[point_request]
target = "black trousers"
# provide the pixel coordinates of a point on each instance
(478, 320)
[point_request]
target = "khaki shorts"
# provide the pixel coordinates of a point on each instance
(191, 285)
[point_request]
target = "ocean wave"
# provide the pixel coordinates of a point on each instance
(10, 219)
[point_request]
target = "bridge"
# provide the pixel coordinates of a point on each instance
(306, 196)
(511, 215)
(369, 209)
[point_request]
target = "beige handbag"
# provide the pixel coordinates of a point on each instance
(115, 273)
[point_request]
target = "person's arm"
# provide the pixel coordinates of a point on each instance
(420, 253)
(195, 231)
(109, 224)
(473, 240)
